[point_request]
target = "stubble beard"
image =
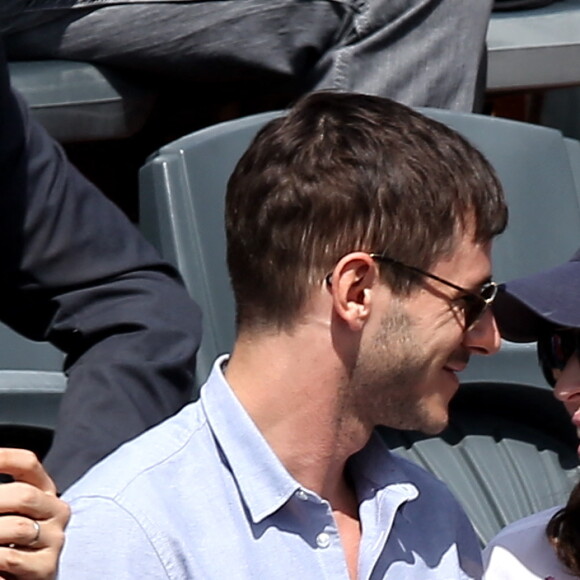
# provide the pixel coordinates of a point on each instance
(384, 380)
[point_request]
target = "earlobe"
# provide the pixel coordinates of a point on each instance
(353, 279)
(361, 306)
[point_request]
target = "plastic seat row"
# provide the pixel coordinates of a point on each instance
(78, 101)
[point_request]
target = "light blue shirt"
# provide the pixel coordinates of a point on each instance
(203, 496)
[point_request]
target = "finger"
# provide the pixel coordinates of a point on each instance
(22, 532)
(23, 465)
(27, 538)
(26, 500)
(28, 565)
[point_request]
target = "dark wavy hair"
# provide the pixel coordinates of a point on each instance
(563, 532)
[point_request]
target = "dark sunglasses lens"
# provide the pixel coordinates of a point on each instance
(475, 306)
(473, 311)
(555, 350)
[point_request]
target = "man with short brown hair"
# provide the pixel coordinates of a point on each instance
(359, 236)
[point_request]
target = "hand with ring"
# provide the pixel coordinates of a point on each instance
(32, 519)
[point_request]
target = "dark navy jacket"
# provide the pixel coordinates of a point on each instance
(74, 271)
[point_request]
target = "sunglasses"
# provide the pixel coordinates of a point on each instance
(474, 304)
(555, 350)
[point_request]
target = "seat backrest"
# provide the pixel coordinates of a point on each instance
(509, 451)
(20, 353)
(31, 388)
(80, 101)
(30, 398)
(181, 212)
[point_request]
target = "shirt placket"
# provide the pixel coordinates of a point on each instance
(323, 534)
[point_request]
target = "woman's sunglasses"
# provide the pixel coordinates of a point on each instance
(555, 350)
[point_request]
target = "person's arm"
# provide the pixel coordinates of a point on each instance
(32, 519)
(77, 273)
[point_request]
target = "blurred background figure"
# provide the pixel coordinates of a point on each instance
(420, 52)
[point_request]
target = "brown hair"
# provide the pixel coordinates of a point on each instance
(344, 172)
(563, 532)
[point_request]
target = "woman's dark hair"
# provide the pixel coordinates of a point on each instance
(563, 532)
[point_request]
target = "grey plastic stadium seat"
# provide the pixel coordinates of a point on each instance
(18, 353)
(508, 452)
(181, 213)
(78, 101)
(501, 464)
(573, 148)
(31, 388)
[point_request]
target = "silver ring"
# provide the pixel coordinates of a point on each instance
(37, 534)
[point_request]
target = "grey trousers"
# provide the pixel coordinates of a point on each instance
(420, 52)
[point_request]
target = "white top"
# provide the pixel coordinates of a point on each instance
(521, 551)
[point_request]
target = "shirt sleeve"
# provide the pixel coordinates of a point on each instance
(77, 273)
(103, 540)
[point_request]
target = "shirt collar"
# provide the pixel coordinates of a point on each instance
(264, 483)
(378, 472)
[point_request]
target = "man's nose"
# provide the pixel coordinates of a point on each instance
(484, 337)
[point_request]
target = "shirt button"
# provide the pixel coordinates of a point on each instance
(323, 540)
(301, 494)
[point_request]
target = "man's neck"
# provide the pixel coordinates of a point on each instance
(292, 386)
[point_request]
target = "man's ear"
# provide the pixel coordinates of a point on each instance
(351, 284)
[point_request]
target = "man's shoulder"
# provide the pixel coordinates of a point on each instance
(401, 481)
(148, 457)
(424, 480)
(432, 498)
(424, 503)
(387, 467)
